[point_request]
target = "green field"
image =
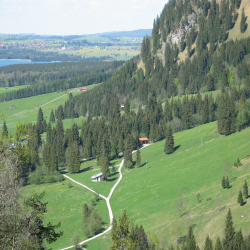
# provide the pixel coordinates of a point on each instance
(10, 89)
(27, 108)
(97, 52)
(151, 196)
(65, 205)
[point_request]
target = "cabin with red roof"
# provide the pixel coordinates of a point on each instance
(143, 140)
(83, 89)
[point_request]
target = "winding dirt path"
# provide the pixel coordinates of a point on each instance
(111, 216)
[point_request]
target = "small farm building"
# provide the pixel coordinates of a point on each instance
(143, 140)
(83, 89)
(12, 106)
(122, 105)
(97, 177)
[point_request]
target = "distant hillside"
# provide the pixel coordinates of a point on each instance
(133, 33)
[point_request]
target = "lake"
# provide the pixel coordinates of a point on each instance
(4, 62)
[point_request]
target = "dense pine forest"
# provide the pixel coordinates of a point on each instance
(47, 78)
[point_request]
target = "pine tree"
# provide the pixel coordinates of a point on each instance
(104, 162)
(218, 245)
(128, 161)
(121, 238)
(60, 150)
(39, 122)
(245, 189)
(127, 107)
(73, 158)
(4, 130)
(138, 157)
(169, 144)
(210, 82)
(53, 157)
(240, 198)
(239, 241)
(190, 240)
(229, 231)
(223, 183)
(208, 244)
(88, 148)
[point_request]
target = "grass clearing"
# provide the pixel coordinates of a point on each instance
(150, 196)
(27, 108)
(65, 206)
(10, 89)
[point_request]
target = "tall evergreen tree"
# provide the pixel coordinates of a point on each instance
(223, 182)
(52, 116)
(227, 185)
(127, 107)
(218, 245)
(229, 231)
(60, 150)
(138, 157)
(208, 244)
(245, 189)
(121, 238)
(169, 143)
(128, 161)
(73, 158)
(39, 122)
(240, 198)
(243, 24)
(88, 148)
(4, 130)
(190, 240)
(53, 156)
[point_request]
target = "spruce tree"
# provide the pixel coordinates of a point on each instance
(73, 158)
(190, 240)
(138, 157)
(4, 130)
(169, 144)
(127, 107)
(245, 189)
(52, 116)
(243, 24)
(88, 148)
(208, 244)
(223, 182)
(240, 198)
(218, 245)
(39, 122)
(60, 150)
(128, 161)
(53, 157)
(104, 162)
(229, 231)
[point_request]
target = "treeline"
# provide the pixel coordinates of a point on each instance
(126, 235)
(40, 56)
(62, 84)
(58, 85)
(23, 74)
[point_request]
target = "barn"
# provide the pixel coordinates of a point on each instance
(143, 140)
(97, 177)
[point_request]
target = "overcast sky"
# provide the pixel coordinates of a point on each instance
(77, 17)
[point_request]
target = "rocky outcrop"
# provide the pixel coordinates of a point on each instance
(175, 36)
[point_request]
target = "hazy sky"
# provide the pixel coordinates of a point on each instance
(76, 17)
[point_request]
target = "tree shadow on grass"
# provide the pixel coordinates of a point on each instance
(85, 169)
(63, 171)
(113, 174)
(112, 179)
(176, 147)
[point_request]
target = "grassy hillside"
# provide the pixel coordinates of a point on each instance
(151, 196)
(65, 205)
(10, 89)
(235, 32)
(27, 108)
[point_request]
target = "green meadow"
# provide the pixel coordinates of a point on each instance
(65, 205)
(10, 89)
(152, 195)
(27, 108)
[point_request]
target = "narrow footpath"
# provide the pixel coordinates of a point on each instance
(111, 216)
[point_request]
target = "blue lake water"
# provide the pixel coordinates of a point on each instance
(4, 62)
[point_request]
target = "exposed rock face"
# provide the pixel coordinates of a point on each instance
(175, 36)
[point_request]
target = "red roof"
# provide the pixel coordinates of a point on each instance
(84, 88)
(143, 139)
